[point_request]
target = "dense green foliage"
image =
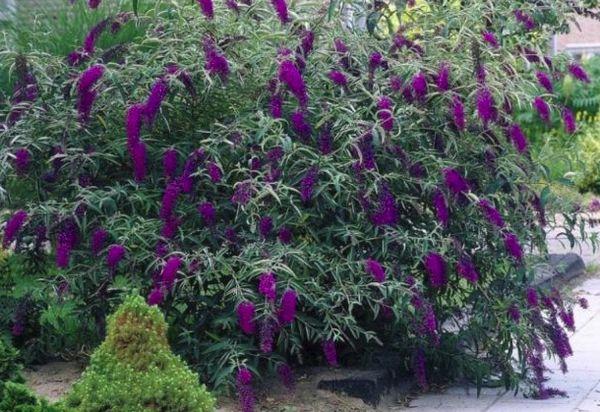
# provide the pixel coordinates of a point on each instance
(17, 397)
(320, 203)
(134, 370)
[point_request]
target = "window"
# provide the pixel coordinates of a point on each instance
(7, 8)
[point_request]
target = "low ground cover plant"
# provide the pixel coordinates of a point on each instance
(288, 190)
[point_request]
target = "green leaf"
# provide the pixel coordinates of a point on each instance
(135, 6)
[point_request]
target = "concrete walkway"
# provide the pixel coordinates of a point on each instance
(582, 382)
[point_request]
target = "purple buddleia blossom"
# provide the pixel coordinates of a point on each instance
(186, 180)
(325, 140)
(207, 8)
(375, 269)
(490, 38)
(282, 10)
(183, 76)
(13, 227)
(158, 92)
(215, 63)
(480, 73)
(467, 270)
(517, 138)
(367, 153)
(531, 297)
(486, 109)
(161, 249)
(441, 208)
(419, 85)
(267, 335)
(242, 193)
(265, 226)
(155, 297)
(420, 369)
(286, 375)
(307, 184)
(583, 302)
(97, 240)
(208, 212)
(291, 77)
(385, 113)
(267, 284)
(285, 235)
(93, 4)
(396, 83)
(133, 124)
(458, 113)
(21, 162)
(275, 154)
(169, 200)
(287, 308)
(231, 235)
(539, 208)
(435, 266)
(560, 340)
(170, 226)
(66, 240)
(115, 254)
(214, 172)
(232, 5)
(245, 392)
(170, 163)
(342, 51)
(454, 181)
(375, 61)
(338, 78)
(579, 73)
(89, 43)
(428, 324)
(569, 121)
(276, 106)
(301, 126)
(139, 159)
(491, 213)
(442, 79)
(330, 352)
(542, 108)
(169, 272)
(307, 40)
(525, 19)
(85, 102)
(568, 319)
(514, 313)
(90, 77)
(386, 213)
(245, 314)
(513, 247)
(545, 81)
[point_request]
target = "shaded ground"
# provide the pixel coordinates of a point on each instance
(53, 379)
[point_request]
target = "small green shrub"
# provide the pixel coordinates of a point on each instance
(135, 370)
(10, 369)
(588, 151)
(16, 397)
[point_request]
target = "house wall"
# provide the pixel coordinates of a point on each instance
(583, 40)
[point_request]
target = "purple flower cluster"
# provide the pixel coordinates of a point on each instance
(207, 8)
(513, 247)
(292, 78)
(490, 38)
(419, 85)
(442, 80)
(545, 81)
(244, 390)
(115, 254)
(454, 181)
(13, 227)
(285, 235)
(86, 92)
(267, 335)
(215, 62)
(242, 193)
(281, 9)
(265, 226)
(579, 73)
(287, 307)
(458, 113)
(525, 19)
(66, 241)
(435, 266)
(338, 78)
(441, 208)
(307, 184)
(466, 269)
(286, 374)
(385, 112)
(375, 269)
(21, 162)
(486, 109)
(387, 210)
(97, 240)
(245, 314)
(158, 92)
(301, 126)
(569, 121)
(330, 352)
(517, 138)
(168, 275)
(542, 108)
(491, 213)
(420, 369)
(267, 284)
(208, 212)
(170, 163)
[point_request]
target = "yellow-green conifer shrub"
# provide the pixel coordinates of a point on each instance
(134, 369)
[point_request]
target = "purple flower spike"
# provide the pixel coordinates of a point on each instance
(93, 4)
(525, 19)
(133, 124)
(532, 297)
(517, 138)
(115, 254)
(442, 80)
(282, 10)
(490, 38)
(307, 184)
(441, 208)
(287, 308)
(155, 297)
(216, 64)
(21, 161)
(89, 77)
(286, 374)
(385, 113)
(267, 284)
(513, 247)
(208, 212)
(169, 200)
(486, 109)
(455, 181)
(97, 241)
(420, 368)
(138, 157)
(466, 270)
(276, 106)
(13, 227)
(458, 113)
(301, 125)
(170, 163)
(291, 77)
(579, 73)
(169, 272)
(207, 8)
(545, 81)
(542, 108)
(435, 265)
(285, 235)
(158, 92)
(245, 314)
(387, 210)
(338, 78)
(265, 226)
(419, 85)
(330, 353)
(245, 393)
(491, 213)
(569, 121)
(214, 172)
(375, 269)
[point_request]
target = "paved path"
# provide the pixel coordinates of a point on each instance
(558, 243)
(582, 382)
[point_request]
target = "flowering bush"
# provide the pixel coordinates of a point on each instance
(287, 190)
